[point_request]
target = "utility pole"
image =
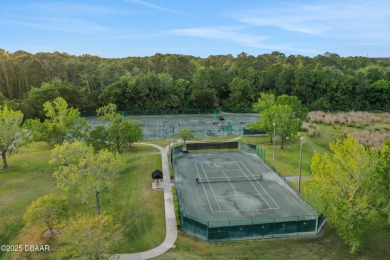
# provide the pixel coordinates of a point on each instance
(300, 166)
(273, 153)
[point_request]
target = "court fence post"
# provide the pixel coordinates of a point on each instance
(230, 237)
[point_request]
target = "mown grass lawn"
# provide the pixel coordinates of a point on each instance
(131, 202)
(28, 178)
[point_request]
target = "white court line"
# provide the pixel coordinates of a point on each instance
(234, 123)
(241, 195)
(254, 186)
(260, 184)
(215, 130)
(158, 126)
(222, 170)
(230, 183)
(209, 124)
(205, 191)
(210, 187)
(245, 210)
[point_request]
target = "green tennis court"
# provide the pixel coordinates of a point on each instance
(237, 196)
(165, 126)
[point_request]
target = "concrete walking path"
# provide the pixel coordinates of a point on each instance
(170, 219)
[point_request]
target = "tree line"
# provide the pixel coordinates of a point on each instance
(325, 82)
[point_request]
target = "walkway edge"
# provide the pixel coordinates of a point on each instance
(170, 219)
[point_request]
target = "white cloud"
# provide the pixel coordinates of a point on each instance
(157, 7)
(64, 8)
(335, 19)
(222, 33)
(234, 34)
(53, 24)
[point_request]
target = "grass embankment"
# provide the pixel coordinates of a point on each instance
(328, 246)
(131, 201)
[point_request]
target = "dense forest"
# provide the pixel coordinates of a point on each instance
(325, 82)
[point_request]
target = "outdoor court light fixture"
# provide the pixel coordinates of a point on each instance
(300, 165)
(273, 152)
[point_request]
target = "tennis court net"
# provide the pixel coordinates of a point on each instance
(229, 179)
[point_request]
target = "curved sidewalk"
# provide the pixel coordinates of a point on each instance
(170, 219)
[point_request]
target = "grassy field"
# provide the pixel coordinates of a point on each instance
(28, 178)
(132, 202)
(287, 159)
(140, 210)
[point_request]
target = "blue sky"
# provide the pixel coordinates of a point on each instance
(122, 28)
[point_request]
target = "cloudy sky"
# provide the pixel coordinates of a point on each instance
(121, 28)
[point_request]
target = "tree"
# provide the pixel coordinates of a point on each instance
(342, 187)
(99, 138)
(124, 133)
(378, 95)
(49, 209)
(381, 195)
(266, 121)
(88, 237)
(299, 112)
(185, 134)
(120, 133)
(62, 123)
(83, 171)
(36, 97)
(242, 93)
(285, 111)
(287, 125)
(11, 134)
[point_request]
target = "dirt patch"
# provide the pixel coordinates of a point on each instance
(47, 233)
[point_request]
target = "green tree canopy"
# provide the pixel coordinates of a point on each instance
(119, 132)
(381, 195)
(11, 134)
(62, 123)
(286, 112)
(49, 209)
(379, 95)
(88, 237)
(88, 173)
(169, 81)
(342, 188)
(185, 134)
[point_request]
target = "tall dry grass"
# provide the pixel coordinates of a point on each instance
(372, 138)
(372, 135)
(311, 129)
(353, 119)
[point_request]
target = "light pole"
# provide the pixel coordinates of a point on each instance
(300, 166)
(273, 152)
(173, 133)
